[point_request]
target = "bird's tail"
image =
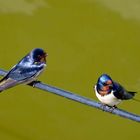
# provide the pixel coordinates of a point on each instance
(133, 93)
(7, 83)
(137, 100)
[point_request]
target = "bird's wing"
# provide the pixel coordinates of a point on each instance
(7, 83)
(121, 93)
(20, 73)
(17, 75)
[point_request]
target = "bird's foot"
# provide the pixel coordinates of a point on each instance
(33, 83)
(103, 106)
(111, 108)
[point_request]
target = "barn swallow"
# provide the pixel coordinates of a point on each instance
(26, 70)
(110, 92)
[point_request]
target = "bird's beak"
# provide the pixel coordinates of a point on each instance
(46, 54)
(43, 59)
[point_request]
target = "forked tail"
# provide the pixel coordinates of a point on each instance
(137, 100)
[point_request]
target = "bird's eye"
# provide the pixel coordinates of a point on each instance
(105, 84)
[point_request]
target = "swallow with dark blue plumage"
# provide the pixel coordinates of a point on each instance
(110, 92)
(26, 71)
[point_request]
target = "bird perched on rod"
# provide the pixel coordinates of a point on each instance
(26, 70)
(110, 92)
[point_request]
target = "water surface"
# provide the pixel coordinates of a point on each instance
(84, 38)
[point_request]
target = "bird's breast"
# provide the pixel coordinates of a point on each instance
(108, 99)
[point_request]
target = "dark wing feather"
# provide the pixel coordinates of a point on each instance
(121, 93)
(17, 75)
(20, 73)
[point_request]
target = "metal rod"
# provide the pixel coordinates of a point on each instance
(83, 100)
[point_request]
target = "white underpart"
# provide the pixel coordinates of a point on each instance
(108, 99)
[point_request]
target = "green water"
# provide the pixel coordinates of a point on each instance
(84, 38)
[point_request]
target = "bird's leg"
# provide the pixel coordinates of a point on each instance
(33, 83)
(112, 108)
(103, 106)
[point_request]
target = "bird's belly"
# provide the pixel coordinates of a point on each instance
(108, 99)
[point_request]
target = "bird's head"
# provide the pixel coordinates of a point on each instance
(38, 55)
(104, 84)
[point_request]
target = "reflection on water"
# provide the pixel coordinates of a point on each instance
(21, 6)
(127, 9)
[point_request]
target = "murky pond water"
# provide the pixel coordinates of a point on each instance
(84, 38)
